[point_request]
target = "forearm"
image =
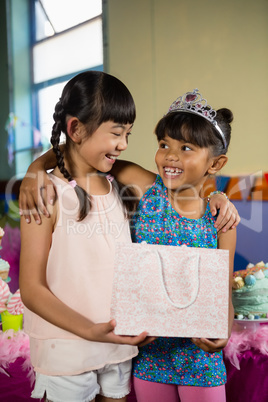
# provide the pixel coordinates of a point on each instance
(44, 162)
(44, 303)
(133, 175)
(40, 300)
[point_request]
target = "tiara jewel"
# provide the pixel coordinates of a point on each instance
(192, 102)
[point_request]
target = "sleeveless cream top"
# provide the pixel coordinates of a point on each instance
(80, 273)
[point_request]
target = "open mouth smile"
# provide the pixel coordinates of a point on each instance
(172, 172)
(112, 158)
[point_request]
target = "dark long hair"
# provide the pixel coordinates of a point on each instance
(192, 128)
(93, 97)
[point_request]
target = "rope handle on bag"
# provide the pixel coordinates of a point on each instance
(197, 259)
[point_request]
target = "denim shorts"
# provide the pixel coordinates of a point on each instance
(112, 381)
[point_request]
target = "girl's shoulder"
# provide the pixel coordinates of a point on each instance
(61, 185)
(65, 195)
(56, 179)
(154, 199)
(207, 214)
(156, 188)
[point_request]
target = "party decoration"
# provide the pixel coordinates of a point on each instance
(222, 182)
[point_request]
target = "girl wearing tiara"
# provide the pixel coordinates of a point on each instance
(193, 141)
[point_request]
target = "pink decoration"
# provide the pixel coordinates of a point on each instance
(12, 346)
(190, 97)
(15, 305)
(11, 253)
(110, 177)
(73, 183)
(245, 339)
(4, 295)
(3, 307)
(37, 137)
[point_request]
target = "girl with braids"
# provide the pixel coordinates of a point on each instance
(66, 267)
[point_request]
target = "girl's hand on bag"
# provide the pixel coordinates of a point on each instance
(147, 340)
(105, 333)
(210, 345)
(36, 192)
(228, 217)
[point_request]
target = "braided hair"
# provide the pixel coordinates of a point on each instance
(93, 97)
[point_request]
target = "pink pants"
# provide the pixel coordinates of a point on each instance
(147, 391)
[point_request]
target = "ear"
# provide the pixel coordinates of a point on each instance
(74, 129)
(217, 164)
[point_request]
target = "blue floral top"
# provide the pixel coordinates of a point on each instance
(174, 360)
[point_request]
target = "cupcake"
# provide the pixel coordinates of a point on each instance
(4, 295)
(12, 317)
(15, 305)
(4, 269)
(1, 235)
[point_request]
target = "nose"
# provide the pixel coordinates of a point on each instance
(123, 143)
(172, 155)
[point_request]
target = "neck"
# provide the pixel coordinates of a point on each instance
(93, 183)
(187, 203)
(76, 168)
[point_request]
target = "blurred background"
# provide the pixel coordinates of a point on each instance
(160, 49)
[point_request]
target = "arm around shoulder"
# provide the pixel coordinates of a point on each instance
(133, 175)
(36, 190)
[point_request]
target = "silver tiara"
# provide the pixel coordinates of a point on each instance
(192, 102)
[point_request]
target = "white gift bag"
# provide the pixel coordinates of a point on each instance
(170, 291)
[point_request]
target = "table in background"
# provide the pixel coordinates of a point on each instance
(249, 384)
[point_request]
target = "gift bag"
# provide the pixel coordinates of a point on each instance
(170, 291)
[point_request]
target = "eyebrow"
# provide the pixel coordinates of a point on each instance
(122, 126)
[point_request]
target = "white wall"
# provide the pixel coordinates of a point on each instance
(163, 48)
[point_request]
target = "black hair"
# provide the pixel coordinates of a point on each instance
(197, 130)
(93, 97)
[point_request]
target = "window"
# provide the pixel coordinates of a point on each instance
(67, 39)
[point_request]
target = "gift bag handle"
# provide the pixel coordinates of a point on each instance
(194, 296)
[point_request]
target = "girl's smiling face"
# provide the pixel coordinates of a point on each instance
(99, 151)
(182, 165)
